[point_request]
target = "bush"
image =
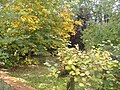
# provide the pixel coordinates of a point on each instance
(33, 27)
(91, 70)
(106, 36)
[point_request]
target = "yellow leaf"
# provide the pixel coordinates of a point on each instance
(23, 19)
(78, 23)
(68, 5)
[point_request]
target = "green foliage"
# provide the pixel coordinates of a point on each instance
(106, 36)
(91, 70)
(32, 27)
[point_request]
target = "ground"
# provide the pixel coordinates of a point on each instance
(33, 76)
(12, 81)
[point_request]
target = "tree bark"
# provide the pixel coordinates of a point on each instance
(71, 84)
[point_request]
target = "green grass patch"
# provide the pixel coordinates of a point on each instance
(38, 77)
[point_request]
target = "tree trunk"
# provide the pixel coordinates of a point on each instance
(71, 84)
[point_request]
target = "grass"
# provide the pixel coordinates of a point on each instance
(38, 77)
(5, 86)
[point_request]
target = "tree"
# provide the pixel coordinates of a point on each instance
(33, 26)
(105, 35)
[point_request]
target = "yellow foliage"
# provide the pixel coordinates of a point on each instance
(67, 23)
(39, 16)
(78, 23)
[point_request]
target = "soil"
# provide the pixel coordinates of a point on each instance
(12, 81)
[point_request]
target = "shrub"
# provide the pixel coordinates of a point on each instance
(106, 36)
(91, 70)
(33, 27)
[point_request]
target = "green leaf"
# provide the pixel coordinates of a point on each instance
(70, 62)
(72, 73)
(73, 67)
(67, 68)
(81, 84)
(75, 79)
(82, 74)
(87, 72)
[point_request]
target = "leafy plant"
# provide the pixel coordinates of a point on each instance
(105, 36)
(91, 70)
(33, 27)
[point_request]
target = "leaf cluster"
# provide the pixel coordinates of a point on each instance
(33, 26)
(91, 70)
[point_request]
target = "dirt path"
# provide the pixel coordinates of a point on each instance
(12, 81)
